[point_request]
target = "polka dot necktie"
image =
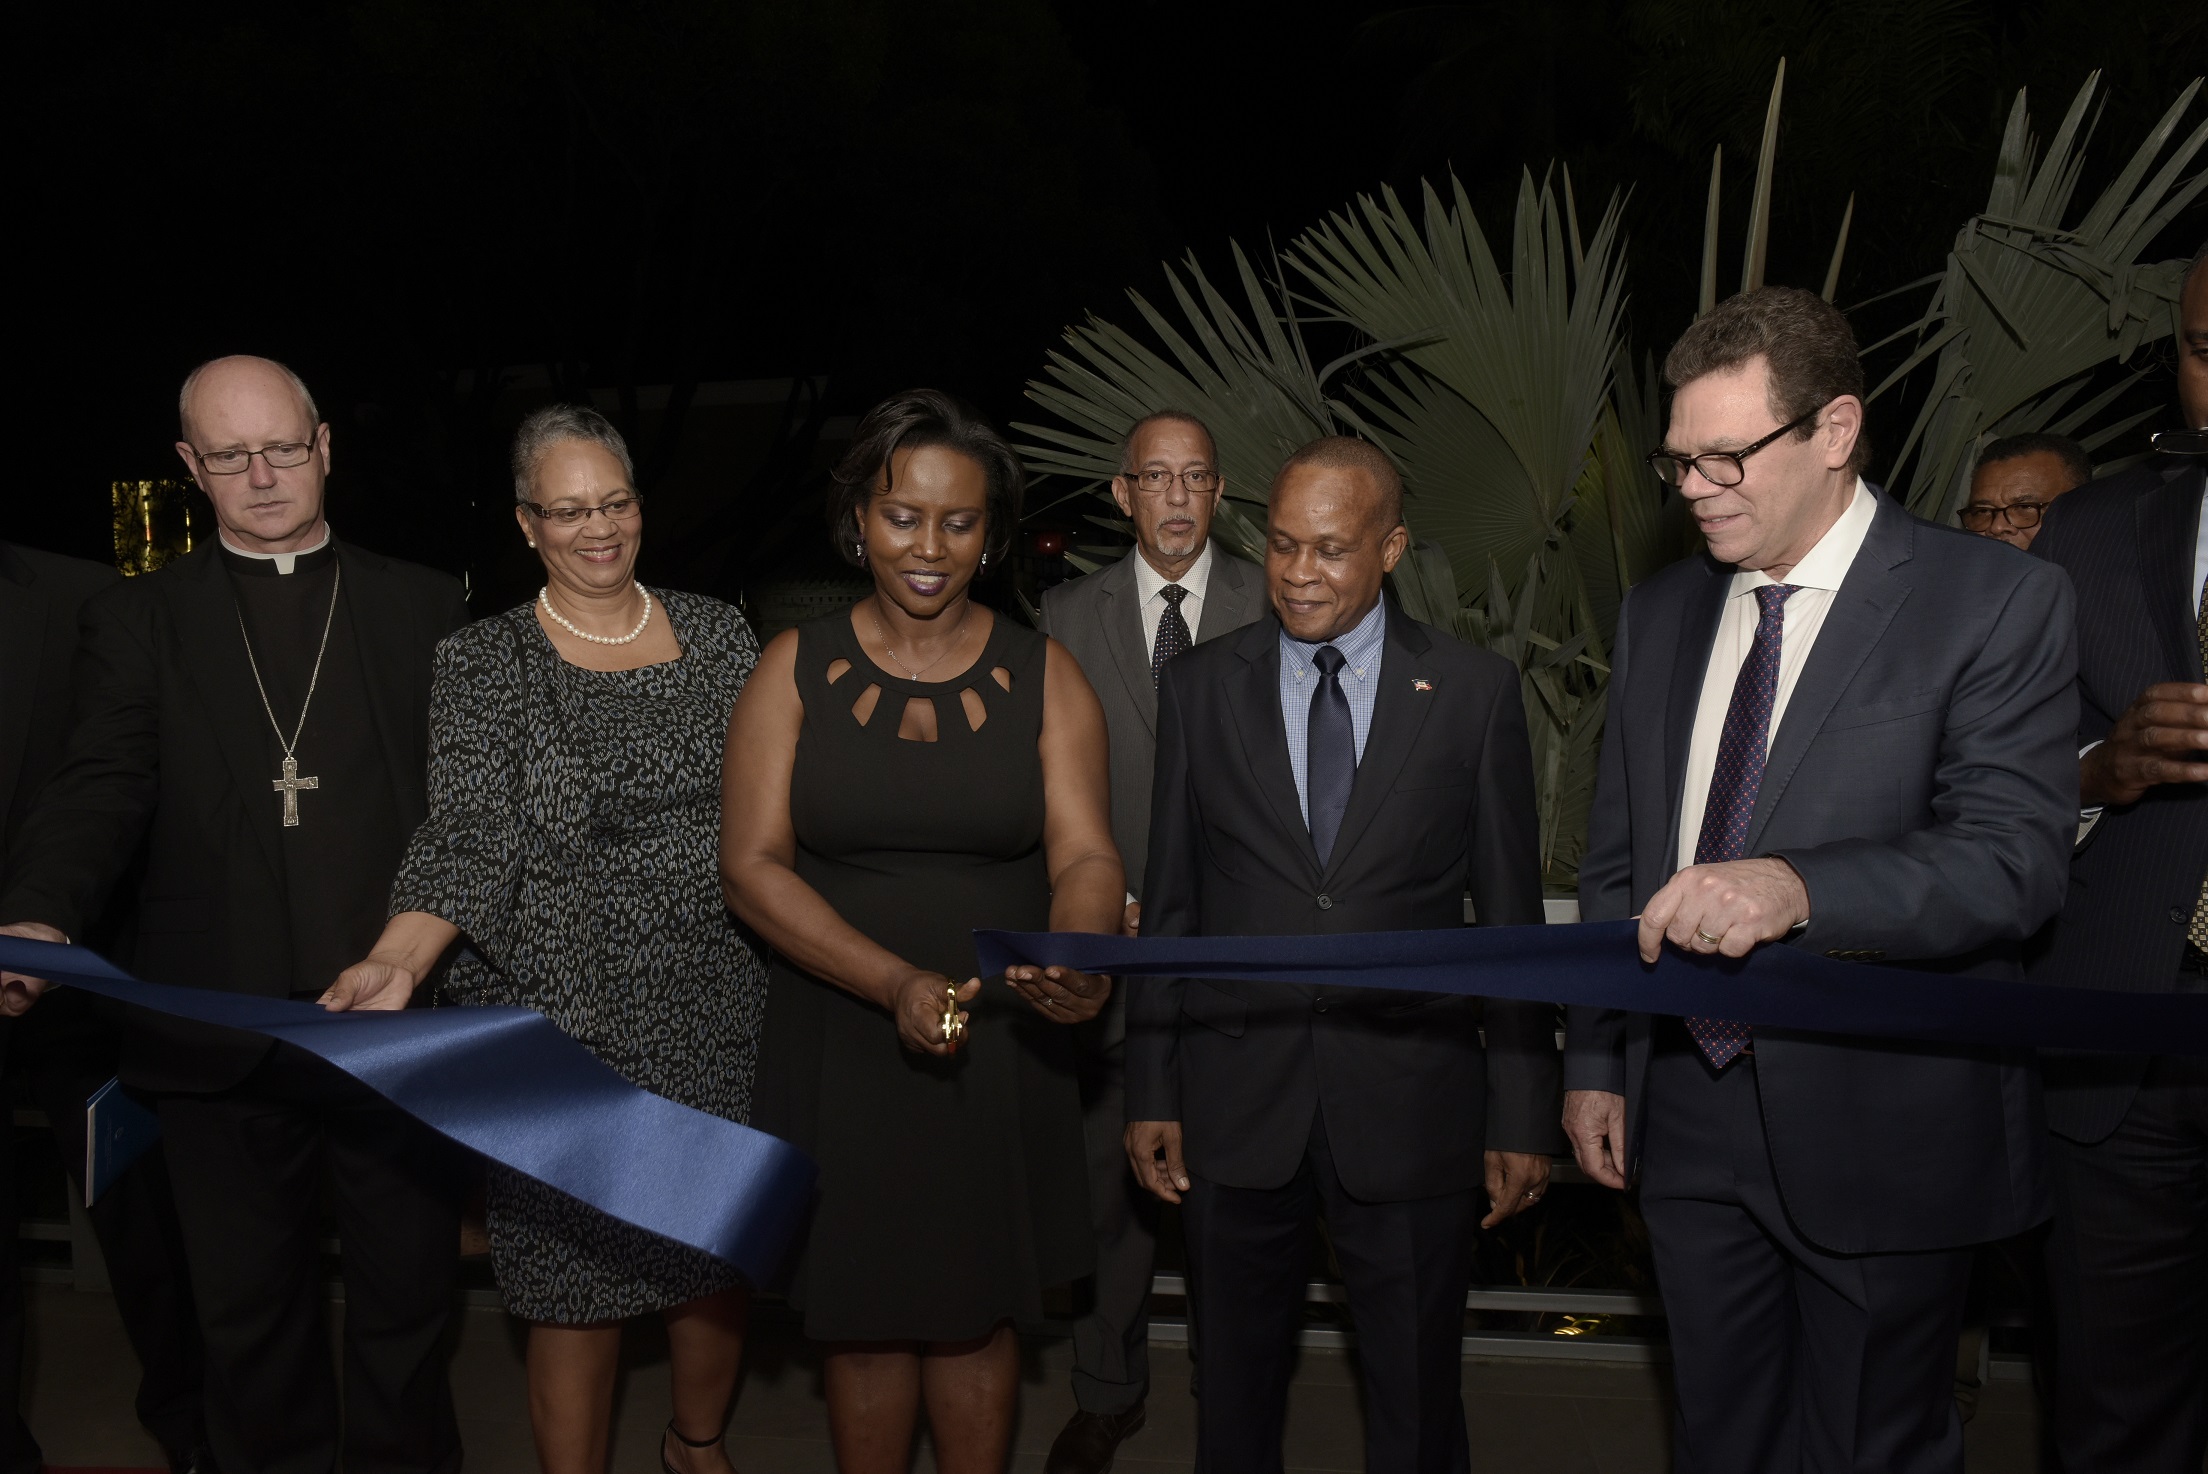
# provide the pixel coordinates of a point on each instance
(2198, 931)
(1740, 753)
(1172, 631)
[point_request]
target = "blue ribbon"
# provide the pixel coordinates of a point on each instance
(506, 1083)
(1597, 964)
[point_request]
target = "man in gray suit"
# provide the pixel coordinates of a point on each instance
(1174, 589)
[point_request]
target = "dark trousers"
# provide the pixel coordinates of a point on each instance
(70, 1045)
(1111, 1341)
(251, 1167)
(1784, 1357)
(19, 1452)
(2129, 1263)
(1406, 1266)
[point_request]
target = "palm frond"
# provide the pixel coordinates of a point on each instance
(2032, 305)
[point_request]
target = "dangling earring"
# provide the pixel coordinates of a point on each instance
(984, 562)
(858, 550)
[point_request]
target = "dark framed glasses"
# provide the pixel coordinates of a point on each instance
(1719, 467)
(281, 456)
(2023, 516)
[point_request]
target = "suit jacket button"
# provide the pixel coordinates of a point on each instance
(1326, 903)
(1318, 1005)
(2177, 913)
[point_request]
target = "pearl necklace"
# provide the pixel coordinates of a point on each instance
(544, 598)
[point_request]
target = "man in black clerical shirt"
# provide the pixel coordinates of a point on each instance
(256, 714)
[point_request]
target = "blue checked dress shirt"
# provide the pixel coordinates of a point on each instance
(1361, 650)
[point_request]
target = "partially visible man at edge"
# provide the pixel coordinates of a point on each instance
(257, 713)
(1848, 730)
(66, 1050)
(2128, 1259)
(1172, 590)
(2016, 479)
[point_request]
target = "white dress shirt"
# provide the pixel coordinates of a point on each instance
(1815, 580)
(1150, 584)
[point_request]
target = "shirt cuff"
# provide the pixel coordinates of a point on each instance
(2087, 818)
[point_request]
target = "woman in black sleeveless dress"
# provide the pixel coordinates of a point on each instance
(897, 776)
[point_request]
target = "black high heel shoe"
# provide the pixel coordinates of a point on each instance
(676, 1434)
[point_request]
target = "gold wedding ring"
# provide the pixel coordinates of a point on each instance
(1705, 936)
(954, 1022)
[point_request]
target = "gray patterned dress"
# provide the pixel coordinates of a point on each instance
(573, 835)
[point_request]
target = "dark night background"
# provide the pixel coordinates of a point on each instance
(406, 199)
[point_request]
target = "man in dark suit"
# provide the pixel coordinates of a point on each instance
(66, 1050)
(256, 713)
(39, 595)
(2128, 1259)
(1337, 767)
(1846, 730)
(1174, 589)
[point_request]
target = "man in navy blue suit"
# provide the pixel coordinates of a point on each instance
(2128, 1259)
(1846, 730)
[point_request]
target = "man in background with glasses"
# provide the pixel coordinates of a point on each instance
(2016, 477)
(256, 714)
(1172, 590)
(1847, 730)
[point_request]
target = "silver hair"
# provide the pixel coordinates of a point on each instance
(555, 423)
(191, 382)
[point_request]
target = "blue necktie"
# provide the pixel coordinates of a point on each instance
(1332, 755)
(1740, 754)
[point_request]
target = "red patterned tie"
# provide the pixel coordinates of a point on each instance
(1740, 753)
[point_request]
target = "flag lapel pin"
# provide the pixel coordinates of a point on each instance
(1420, 683)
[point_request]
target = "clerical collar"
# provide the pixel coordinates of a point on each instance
(270, 565)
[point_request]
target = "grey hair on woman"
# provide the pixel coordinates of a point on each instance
(555, 423)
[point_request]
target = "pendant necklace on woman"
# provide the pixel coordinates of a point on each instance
(911, 674)
(544, 598)
(291, 784)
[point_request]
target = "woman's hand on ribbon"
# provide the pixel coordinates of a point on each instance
(370, 986)
(1729, 908)
(384, 981)
(1154, 1151)
(918, 1005)
(1515, 1182)
(1060, 994)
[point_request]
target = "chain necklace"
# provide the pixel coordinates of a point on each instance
(544, 597)
(910, 673)
(290, 785)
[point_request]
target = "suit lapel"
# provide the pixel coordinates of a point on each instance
(23, 616)
(1695, 639)
(2167, 519)
(1397, 717)
(1229, 602)
(1861, 611)
(212, 645)
(1253, 705)
(1122, 616)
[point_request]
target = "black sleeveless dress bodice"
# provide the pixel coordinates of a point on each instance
(952, 1191)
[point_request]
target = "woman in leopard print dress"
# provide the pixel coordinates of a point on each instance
(574, 795)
